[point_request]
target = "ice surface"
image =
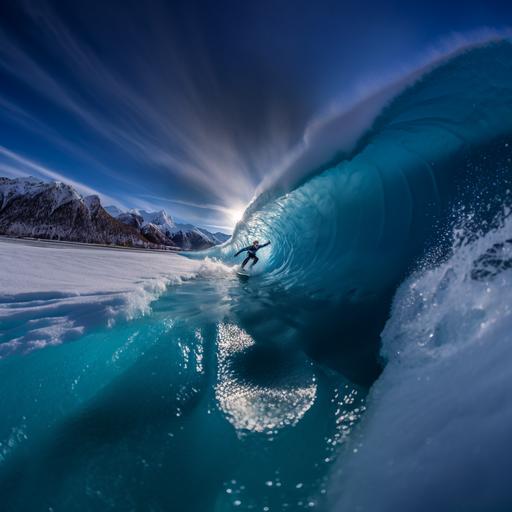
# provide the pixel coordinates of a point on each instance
(437, 431)
(50, 293)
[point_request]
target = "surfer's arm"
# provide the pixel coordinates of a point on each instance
(264, 245)
(241, 251)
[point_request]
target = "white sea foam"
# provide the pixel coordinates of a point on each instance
(51, 293)
(215, 268)
(438, 426)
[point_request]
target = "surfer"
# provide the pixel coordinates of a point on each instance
(251, 253)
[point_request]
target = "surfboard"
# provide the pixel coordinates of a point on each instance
(242, 273)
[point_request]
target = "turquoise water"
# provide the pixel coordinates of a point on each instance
(181, 410)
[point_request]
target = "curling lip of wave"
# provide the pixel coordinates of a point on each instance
(351, 231)
(335, 134)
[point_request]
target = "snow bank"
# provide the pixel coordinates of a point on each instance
(50, 293)
(439, 422)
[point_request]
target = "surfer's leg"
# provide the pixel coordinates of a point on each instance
(245, 261)
(254, 261)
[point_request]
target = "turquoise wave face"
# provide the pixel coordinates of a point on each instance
(345, 238)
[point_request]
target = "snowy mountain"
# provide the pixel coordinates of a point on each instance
(56, 211)
(184, 235)
(155, 235)
(114, 211)
(131, 219)
(218, 237)
(57, 193)
(160, 219)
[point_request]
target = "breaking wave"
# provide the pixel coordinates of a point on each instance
(344, 239)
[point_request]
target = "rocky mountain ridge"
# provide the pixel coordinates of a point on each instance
(30, 207)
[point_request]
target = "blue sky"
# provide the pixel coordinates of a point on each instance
(188, 106)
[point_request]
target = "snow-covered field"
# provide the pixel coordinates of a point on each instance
(50, 293)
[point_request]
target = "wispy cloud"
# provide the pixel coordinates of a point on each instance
(202, 206)
(175, 130)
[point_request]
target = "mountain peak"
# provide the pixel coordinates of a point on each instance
(53, 209)
(114, 211)
(160, 218)
(58, 193)
(93, 203)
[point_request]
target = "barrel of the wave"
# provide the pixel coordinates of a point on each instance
(345, 238)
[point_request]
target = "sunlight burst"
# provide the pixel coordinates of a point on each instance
(236, 214)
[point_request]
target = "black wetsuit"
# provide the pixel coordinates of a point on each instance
(251, 254)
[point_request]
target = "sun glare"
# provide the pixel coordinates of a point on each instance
(236, 214)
